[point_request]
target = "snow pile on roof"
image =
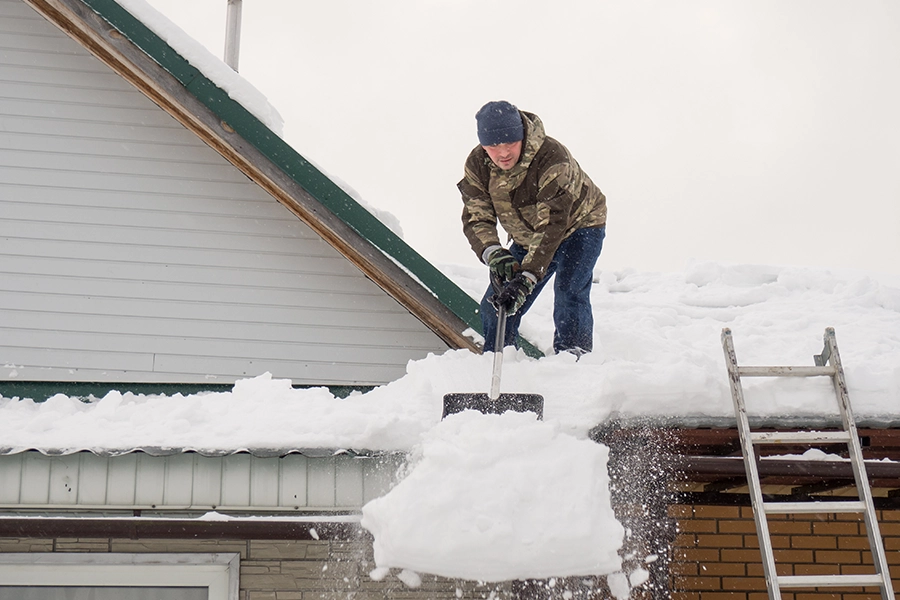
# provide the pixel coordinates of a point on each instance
(657, 353)
(238, 88)
(496, 498)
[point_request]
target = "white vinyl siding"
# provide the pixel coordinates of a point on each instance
(132, 252)
(189, 481)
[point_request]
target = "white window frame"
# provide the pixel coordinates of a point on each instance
(218, 573)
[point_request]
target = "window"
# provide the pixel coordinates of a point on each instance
(102, 576)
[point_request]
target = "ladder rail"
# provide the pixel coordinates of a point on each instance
(750, 466)
(826, 364)
(873, 531)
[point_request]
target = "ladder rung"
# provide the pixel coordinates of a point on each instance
(784, 508)
(785, 371)
(829, 580)
(780, 437)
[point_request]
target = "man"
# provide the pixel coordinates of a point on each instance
(551, 210)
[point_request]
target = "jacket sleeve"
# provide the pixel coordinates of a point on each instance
(478, 217)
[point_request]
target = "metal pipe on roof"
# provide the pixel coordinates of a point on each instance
(233, 34)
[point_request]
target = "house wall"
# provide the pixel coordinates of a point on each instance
(130, 251)
(320, 570)
(715, 554)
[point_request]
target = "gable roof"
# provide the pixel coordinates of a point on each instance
(140, 56)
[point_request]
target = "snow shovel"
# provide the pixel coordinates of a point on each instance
(495, 402)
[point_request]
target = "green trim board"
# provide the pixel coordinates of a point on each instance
(282, 155)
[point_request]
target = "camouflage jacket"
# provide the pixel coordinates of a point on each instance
(540, 202)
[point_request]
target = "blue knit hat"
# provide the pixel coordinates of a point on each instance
(499, 123)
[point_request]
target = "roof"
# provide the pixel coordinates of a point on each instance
(140, 56)
(704, 465)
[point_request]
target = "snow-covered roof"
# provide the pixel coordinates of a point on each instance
(658, 356)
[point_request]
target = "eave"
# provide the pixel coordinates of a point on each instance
(705, 465)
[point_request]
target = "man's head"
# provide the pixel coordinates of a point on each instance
(500, 132)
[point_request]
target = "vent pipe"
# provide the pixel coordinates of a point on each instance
(233, 34)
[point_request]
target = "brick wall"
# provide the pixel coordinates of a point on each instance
(321, 570)
(715, 554)
(276, 569)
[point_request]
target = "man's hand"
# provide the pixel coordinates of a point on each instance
(515, 293)
(503, 264)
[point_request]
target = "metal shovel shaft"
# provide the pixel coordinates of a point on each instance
(499, 339)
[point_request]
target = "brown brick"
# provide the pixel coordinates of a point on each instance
(889, 529)
(816, 569)
(853, 542)
(717, 512)
(697, 554)
(836, 528)
(198, 545)
(793, 556)
(81, 545)
(820, 541)
(258, 567)
(743, 526)
(722, 569)
(26, 545)
(698, 583)
(741, 555)
(685, 596)
(819, 596)
(889, 515)
(290, 549)
(790, 528)
(757, 570)
(838, 557)
(720, 541)
(697, 526)
(684, 568)
(723, 596)
(743, 583)
(684, 540)
(271, 582)
(857, 570)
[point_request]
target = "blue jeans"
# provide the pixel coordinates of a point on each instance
(573, 319)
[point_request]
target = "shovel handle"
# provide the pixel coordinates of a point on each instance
(498, 344)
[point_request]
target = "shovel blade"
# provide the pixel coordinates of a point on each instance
(454, 403)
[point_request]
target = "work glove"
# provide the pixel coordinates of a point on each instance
(514, 294)
(503, 264)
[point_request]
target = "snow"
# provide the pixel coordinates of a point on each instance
(657, 353)
(238, 88)
(480, 489)
(509, 497)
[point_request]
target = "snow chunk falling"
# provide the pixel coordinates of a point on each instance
(508, 497)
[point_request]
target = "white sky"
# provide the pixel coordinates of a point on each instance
(758, 131)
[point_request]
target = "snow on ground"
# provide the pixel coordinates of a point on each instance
(480, 489)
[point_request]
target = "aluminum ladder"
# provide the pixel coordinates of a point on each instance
(827, 364)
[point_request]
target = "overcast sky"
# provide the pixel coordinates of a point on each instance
(741, 131)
